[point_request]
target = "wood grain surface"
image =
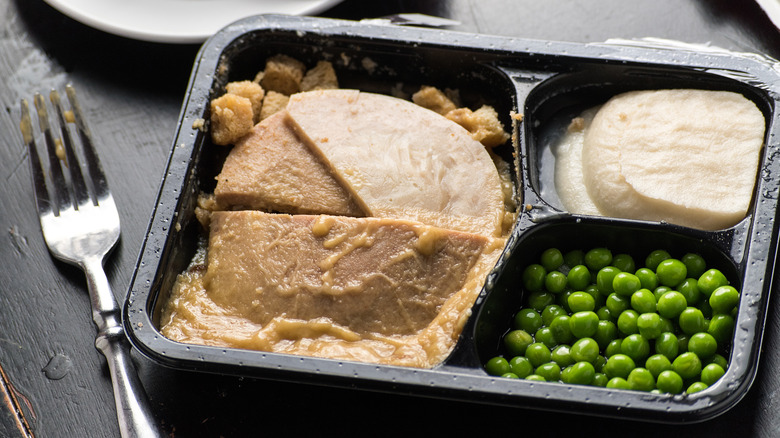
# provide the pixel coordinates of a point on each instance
(53, 382)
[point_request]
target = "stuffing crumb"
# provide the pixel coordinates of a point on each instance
(231, 118)
(483, 124)
(433, 99)
(282, 74)
(252, 91)
(273, 103)
(320, 77)
(207, 203)
(577, 124)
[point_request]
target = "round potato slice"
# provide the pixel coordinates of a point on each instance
(682, 156)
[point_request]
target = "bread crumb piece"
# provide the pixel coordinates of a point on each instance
(517, 117)
(252, 91)
(369, 64)
(577, 124)
(283, 74)
(199, 124)
(231, 118)
(483, 124)
(207, 203)
(320, 77)
(433, 99)
(273, 103)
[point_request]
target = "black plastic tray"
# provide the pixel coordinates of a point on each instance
(547, 82)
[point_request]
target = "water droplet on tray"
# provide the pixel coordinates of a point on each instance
(58, 367)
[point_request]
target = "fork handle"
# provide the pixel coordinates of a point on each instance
(132, 405)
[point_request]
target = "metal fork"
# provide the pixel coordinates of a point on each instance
(80, 225)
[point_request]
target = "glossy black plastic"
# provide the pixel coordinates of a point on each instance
(548, 83)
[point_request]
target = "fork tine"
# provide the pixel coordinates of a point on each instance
(61, 195)
(95, 170)
(80, 193)
(39, 180)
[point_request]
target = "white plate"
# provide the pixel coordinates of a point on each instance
(772, 10)
(177, 21)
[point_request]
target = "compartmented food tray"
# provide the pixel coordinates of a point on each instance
(547, 83)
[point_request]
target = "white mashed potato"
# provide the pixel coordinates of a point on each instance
(687, 157)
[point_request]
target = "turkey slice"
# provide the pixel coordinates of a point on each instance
(401, 160)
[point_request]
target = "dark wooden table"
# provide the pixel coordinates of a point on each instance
(132, 92)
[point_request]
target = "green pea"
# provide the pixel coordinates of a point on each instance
(624, 262)
(497, 366)
(562, 299)
(643, 301)
(578, 277)
(584, 324)
(581, 301)
(574, 258)
(703, 345)
(655, 258)
(535, 378)
(660, 290)
(562, 355)
(599, 363)
(561, 329)
(619, 365)
(551, 259)
(528, 319)
(711, 280)
(551, 371)
(604, 279)
(516, 341)
(539, 300)
(724, 299)
(671, 272)
(605, 314)
(719, 360)
(521, 366)
(600, 379)
(649, 325)
(640, 379)
(647, 278)
(617, 304)
(510, 376)
(625, 284)
(695, 264)
(598, 258)
(711, 373)
(581, 373)
(682, 342)
(545, 336)
(606, 332)
(538, 353)
(635, 346)
(598, 297)
(657, 364)
(690, 290)
(668, 345)
(691, 320)
(613, 347)
(696, 387)
(721, 328)
(533, 277)
(551, 312)
(667, 325)
(687, 365)
(671, 304)
(555, 282)
(585, 350)
(618, 383)
(626, 322)
(669, 382)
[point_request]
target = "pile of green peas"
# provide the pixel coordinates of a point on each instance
(593, 318)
